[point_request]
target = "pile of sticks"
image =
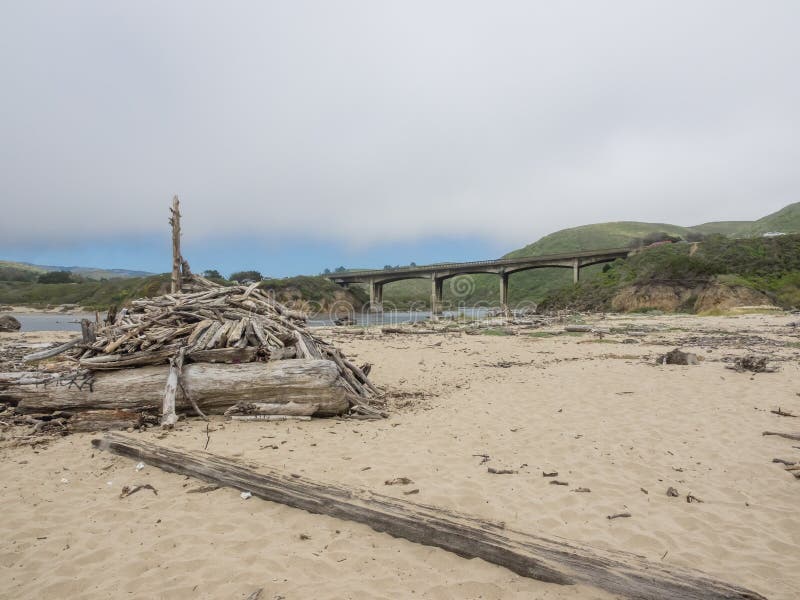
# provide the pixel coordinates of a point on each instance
(209, 323)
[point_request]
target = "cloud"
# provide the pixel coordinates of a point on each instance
(368, 122)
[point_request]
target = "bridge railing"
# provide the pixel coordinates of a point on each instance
(500, 262)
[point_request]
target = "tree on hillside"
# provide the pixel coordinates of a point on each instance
(242, 276)
(340, 270)
(212, 274)
(56, 277)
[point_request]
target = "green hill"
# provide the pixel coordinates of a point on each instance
(88, 293)
(769, 266)
(22, 271)
(596, 237)
(536, 284)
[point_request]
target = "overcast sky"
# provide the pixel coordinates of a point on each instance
(303, 135)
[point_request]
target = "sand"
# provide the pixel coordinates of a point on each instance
(599, 412)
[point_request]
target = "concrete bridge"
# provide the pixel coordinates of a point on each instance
(503, 267)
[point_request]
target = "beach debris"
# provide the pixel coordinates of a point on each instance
(690, 498)
(672, 492)
(752, 363)
(678, 357)
(578, 328)
(256, 595)
(494, 471)
(788, 463)
(398, 481)
(548, 559)
(582, 490)
(245, 495)
(140, 466)
(410, 492)
(788, 436)
(550, 474)
(782, 413)
(557, 482)
(622, 515)
(203, 323)
(203, 489)
(9, 323)
(484, 457)
(129, 490)
(644, 491)
(304, 536)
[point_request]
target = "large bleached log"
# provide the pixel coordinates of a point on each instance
(214, 387)
(555, 561)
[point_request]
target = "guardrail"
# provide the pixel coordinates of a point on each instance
(500, 262)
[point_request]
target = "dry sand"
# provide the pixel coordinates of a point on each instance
(599, 412)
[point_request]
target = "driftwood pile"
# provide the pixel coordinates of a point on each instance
(215, 349)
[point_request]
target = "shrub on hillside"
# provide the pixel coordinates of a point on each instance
(56, 277)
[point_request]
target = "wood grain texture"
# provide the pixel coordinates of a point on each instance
(214, 387)
(554, 561)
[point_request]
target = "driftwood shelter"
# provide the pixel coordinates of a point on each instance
(204, 348)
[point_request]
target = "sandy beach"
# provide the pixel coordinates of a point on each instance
(597, 410)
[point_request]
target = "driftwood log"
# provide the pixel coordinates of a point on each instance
(789, 436)
(214, 387)
(554, 561)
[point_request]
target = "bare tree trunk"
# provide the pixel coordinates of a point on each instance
(177, 259)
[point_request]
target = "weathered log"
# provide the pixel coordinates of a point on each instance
(224, 355)
(168, 416)
(270, 418)
(271, 408)
(554, 561)
(578, 328)
(790, 436)
(104, 420)
(282, 353)
(410, 331)
(176, 281)
(52, 351)
(106, 362)
(87, 332)
(214, 387)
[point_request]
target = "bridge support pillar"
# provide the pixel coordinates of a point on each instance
(437, 285)
(375, 297)
(576, 270)
(504, 292)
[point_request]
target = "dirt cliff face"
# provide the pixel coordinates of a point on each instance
(667, 298)
(702, 298)
(717, 296)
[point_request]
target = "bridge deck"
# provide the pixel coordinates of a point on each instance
(421, 270)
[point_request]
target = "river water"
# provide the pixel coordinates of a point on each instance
(72, 321)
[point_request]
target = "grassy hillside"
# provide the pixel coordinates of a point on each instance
(768, 265)
(786, 220)
(90, 294)
(536, 284)
(596, 237)
(32, 271)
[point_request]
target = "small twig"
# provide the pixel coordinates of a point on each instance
(208, 435)
(624, 515)
(782, 413)
(129, 491)
(191, 400)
